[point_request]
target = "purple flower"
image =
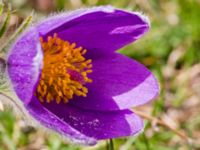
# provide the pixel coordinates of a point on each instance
(70, 78)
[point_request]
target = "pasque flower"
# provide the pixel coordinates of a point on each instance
(70, 78)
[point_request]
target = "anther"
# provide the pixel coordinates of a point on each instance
(65, 71)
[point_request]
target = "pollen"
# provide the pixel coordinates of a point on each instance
(65, 71)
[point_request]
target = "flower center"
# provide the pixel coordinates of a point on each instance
(65, 71)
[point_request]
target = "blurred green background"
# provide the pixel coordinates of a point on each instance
(171, 50)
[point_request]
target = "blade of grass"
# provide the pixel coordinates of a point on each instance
(1, 8)
(5, 23)
(146, 142)
(21, 28)
(128, 144)
(60, 4)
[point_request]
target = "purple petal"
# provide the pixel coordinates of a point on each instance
(118, 83)
(101, 30)
(98, 124)
(50, 120)
(24, 64)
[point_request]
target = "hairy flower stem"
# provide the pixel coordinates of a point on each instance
(13, 101)
(2, 72)
(110, 145)
(2, 65)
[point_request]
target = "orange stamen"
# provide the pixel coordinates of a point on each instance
(65, 71)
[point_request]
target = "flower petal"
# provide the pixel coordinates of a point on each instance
(98, 124)
(24, 64)
(101, 30)
(50, 120)
(118, 83)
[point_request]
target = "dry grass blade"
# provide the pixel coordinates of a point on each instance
(162, 123)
